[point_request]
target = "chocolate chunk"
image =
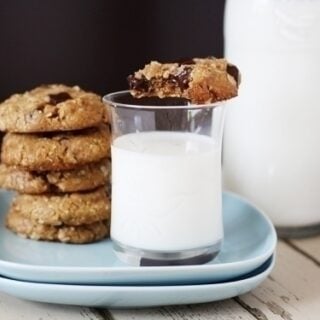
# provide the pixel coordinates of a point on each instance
(183, 78)
(40, 107)
(59, 97)
(233, 72)
(141, 84)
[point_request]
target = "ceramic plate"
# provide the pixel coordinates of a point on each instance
(134, 296)
(249, 240)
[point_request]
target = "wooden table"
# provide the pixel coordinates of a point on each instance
(291, 292)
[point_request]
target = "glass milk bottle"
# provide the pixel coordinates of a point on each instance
(272, 136)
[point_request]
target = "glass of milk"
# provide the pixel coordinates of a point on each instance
(166, 180)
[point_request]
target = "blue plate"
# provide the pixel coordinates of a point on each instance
(135, 296)
(250, 239)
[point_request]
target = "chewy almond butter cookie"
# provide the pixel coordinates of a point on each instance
(56, 151)
(87, 177)
(201, 81)
(72, 209)
(71, 234)
(51, 108)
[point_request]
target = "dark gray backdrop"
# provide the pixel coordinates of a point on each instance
(97, 43)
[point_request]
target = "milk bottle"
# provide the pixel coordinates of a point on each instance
(272, 136)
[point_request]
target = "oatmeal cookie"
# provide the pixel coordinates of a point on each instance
(201, 81)
(84, 178)
(71, 234)
(56, 151)
(72, 209)
(51, 108)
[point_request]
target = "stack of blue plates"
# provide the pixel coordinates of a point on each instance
(91, 275)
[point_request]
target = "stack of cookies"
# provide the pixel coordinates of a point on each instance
(56, 154)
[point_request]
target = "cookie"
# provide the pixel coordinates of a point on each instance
(51, 108)
(199, 80)
(71, 234)
(87, 177)
(72, 209)
(56, 151)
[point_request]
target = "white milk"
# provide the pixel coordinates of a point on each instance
(272, 134)
(166, 191)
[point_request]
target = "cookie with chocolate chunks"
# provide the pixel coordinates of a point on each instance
(53, 107)
(56, 150)
(26, 228)
(87, 177)
(70, 209)
(199, 80)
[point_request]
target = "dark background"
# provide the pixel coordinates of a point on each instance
(97, 43)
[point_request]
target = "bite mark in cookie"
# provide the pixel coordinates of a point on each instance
(199, 80)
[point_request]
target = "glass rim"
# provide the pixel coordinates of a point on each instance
(109, 99)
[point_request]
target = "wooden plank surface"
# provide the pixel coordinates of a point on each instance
(222, 310)
(16, 309)
(310, 247)
(292, 292)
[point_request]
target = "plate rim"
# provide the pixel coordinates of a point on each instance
(135, 296)
(124, 269)
(121, 288)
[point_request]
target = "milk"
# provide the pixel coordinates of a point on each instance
(272, 134)
(166, 191)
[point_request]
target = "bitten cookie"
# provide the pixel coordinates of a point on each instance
(72, 209)
(71, 234)
(51, 108)
(56, 151)
(199, 80)
(87, 177)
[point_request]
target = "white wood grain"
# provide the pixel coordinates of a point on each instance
(15, 309)
(311, 246)
(223, 310)
(292, 292)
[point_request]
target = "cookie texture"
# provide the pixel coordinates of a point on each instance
(51, 108)
(69, 234)
(72, 209)
(87, 177)
(199, 80)
(56, 151)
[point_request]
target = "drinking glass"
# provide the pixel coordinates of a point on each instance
(166, 180)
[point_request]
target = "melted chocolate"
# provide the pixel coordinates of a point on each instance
(59, 97)
(138, 84)
(142, 84)
(181, 79)
(233, 72)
